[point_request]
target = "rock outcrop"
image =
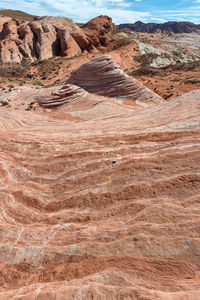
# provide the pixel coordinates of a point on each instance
(102, 76)
(67, 94)
(98, 29)
(99, 206)
(49, 36)
(3, 20)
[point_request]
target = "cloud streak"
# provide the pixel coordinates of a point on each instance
(121, 11)
(80, 11)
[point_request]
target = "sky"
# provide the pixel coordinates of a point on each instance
(121, 11)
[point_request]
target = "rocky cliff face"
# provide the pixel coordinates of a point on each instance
(50, 36)
(176, 27)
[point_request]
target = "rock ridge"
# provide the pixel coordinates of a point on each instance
(175, 27)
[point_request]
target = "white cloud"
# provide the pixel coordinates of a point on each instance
(158, 20)
(121, 11)
(190, 14)
(80, 11)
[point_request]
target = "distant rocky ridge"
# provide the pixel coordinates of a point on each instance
(46, 37)
(175, 27)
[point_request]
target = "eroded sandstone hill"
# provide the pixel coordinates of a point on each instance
(46, 37)
(102, 76)
(99, 199)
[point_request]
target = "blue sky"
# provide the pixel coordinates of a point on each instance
(122, 11)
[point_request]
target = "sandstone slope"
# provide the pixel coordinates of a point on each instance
(99, 200)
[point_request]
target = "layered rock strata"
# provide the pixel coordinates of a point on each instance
(99, 207)
(102, 76)
(67, 94)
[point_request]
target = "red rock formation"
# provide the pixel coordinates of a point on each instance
(3, 20)
(47, 37)
(104, 77)
(98, 29)
(10, 43)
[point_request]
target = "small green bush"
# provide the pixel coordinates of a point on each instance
(38, 82)
(5, 103)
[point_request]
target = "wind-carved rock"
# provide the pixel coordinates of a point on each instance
(3, 20)
(46, 41)
(10, 43)
(104, 77)
(101, 76)
(67, 94)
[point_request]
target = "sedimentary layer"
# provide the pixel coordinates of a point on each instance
(98, 200)
(102, 76)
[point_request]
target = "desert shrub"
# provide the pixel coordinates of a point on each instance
(38, 82)
(168, 96)
(4, 103)
(25, 64)
(145, 70)
(31, 106)
(192, 81)
(2, 80)
(116, 43)
(30, 76)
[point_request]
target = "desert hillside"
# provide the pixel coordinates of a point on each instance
(16, 14)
